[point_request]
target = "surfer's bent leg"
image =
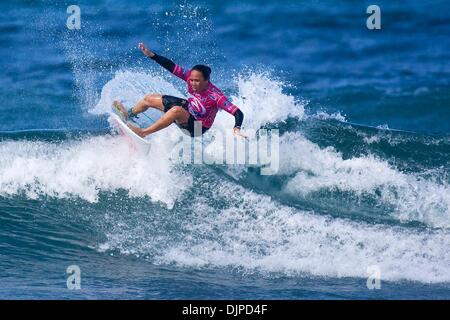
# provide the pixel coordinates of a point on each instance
(149, 101)
(171, 101)
(157, 101)
(175, 113)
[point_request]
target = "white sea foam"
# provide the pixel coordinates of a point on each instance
(85, 168)
(263, 101)
(322, 115)
(413, 198)
(253, 233)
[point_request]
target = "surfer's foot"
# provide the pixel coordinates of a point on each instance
(121, 109)
(137, 130)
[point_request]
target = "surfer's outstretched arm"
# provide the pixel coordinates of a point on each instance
(165, 63)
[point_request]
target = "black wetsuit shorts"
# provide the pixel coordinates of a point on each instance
(171, 101)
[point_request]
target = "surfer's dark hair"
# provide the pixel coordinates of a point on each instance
(205, 70)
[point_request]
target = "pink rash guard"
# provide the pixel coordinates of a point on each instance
(204, 105)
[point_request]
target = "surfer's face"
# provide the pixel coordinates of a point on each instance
(197, 81)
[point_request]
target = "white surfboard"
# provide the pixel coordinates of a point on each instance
(137, 143)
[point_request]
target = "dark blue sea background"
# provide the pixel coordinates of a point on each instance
(363, 179)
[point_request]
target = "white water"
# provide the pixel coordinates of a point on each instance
(84, 169)
(253, 233)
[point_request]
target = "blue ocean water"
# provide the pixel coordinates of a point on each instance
(364, 152)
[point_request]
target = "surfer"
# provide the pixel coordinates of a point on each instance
(198, 111)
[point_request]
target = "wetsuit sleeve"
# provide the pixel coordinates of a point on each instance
(225, 104)
(238, 118)
(171, 66)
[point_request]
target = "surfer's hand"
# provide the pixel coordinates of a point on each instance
(237, 132)
(146, 51)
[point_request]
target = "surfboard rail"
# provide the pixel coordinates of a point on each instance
(136, 142)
